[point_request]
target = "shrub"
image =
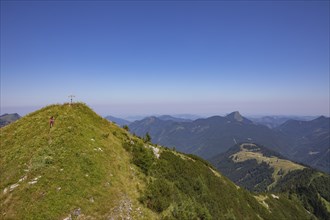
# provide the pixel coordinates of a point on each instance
(142, 157)
(126, 127)
(147, 137)
(159, 195)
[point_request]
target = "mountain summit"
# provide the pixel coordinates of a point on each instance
(6, 119)
(85, 167)
(237, 117)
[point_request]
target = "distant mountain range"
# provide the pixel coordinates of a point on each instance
(171, 118)
(259, 169)
(275, 121)
(6, 119)
(207, 137)
(121, 121)
(303, 141)
(118, 121)
(309, 141)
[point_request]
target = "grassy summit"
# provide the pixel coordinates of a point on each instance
(77, 164)
(280, 166)
(88, 168)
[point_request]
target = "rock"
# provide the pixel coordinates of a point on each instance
(5, 190)
(92, 139)
(68, 218)
(58, 189)
(98, 149)
(33, 182)
(274, 196)
(77, 212)
(155, 150)
(22, 179)
(36, 179)
(12, 187)
(122, 210)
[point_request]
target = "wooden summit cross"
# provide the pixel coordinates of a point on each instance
(71, 97)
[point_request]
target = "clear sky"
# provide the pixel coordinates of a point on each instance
(166, 57)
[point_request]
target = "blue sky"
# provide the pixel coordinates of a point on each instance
(167, 57)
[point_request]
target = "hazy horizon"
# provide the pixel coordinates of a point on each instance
(117, 112)
(167, 57)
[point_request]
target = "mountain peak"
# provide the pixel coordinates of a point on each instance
(6, 119)
(322, 117)
(235, 116)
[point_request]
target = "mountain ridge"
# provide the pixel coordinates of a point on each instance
(6, 119)
(259, 169)
(210, 136)
(307, 142)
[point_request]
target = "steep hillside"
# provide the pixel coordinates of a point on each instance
(78, 167)
(6, 119)
(87, 168)
(258, 169)
(309, 141)
(210, 136)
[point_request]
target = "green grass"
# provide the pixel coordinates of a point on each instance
(326, 203)
(80, 159)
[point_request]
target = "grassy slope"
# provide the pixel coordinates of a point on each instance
(81, 163)
(278, 164)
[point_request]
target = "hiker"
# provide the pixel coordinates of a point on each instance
(51, 121)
